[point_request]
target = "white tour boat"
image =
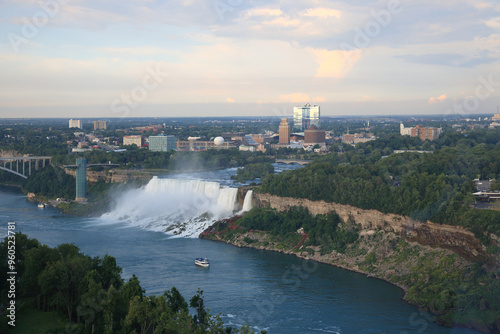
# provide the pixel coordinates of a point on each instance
(202, 262)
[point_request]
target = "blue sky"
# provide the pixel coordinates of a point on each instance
(76, 58)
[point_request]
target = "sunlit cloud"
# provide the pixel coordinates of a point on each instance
(229, 100)
(295, 98)
(439, 99)
(334, 64)
(265, 12)
(322, 13)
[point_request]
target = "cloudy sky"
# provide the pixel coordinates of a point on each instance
(115, 58)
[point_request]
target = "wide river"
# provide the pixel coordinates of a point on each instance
(276, 292)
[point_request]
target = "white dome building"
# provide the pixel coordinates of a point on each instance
(219, 141)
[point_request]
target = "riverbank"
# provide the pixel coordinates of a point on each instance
(431, 277)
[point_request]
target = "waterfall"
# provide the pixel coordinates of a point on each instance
(247, 202)
(175, 206)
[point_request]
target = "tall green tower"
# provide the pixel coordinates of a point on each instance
(81, 180)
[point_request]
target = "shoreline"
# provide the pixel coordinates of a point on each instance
(305, 257)
(336, 261)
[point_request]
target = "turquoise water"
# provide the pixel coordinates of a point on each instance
(272, 291)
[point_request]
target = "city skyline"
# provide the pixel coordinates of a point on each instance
(233, 58)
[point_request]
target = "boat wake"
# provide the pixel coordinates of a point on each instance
(178, 207)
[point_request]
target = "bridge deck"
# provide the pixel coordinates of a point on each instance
(26, 158)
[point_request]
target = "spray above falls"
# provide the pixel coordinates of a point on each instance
(175, 206)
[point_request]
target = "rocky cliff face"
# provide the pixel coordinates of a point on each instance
(10, 153)
(112, 175)
(454, 238)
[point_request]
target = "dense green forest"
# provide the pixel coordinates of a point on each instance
(253, 171)
(434, 186)
(323, 230)
(88, 295)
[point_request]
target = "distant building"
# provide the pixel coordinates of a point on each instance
(425, 133)
(75, 123)
(404, 131)
(100, 125)
(153, 128)
(305, 116)
(161, 143)
(356, 138)
(248, 140)
(263, 138)
(200, 145)
(233, 135)
(297, 137)
(313, 135)
(247, 148)
(496, 117)
(421, 132)
(131, 140)
(284, 131)
(496, 120)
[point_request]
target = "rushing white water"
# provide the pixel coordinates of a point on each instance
(175, 206)
(247, 203)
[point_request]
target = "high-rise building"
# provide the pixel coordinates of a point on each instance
(305, 116)
(75, 123)
(161, 143)
(284, 131)
(100, 125)
(131, 140)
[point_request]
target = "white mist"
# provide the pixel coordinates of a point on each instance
(175, 206)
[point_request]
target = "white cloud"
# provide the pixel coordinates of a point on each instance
(439, 99)
(295, 98)
(322, 13)
(334, 64)
(265, 12)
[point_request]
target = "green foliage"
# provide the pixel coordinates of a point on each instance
(324, 230)
(370, 259)
(253, 171)
(51, 182)
(457, 295)
(89, 293)
(433, 187)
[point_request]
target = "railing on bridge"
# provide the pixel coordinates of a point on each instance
(7, 164)
(292, 161)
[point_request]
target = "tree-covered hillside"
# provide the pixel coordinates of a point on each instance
(63, 286)
(434, 186)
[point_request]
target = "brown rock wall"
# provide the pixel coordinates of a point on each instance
(455, 238)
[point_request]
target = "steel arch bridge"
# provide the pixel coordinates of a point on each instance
(17, 165)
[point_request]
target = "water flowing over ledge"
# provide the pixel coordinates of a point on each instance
(175, 206)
